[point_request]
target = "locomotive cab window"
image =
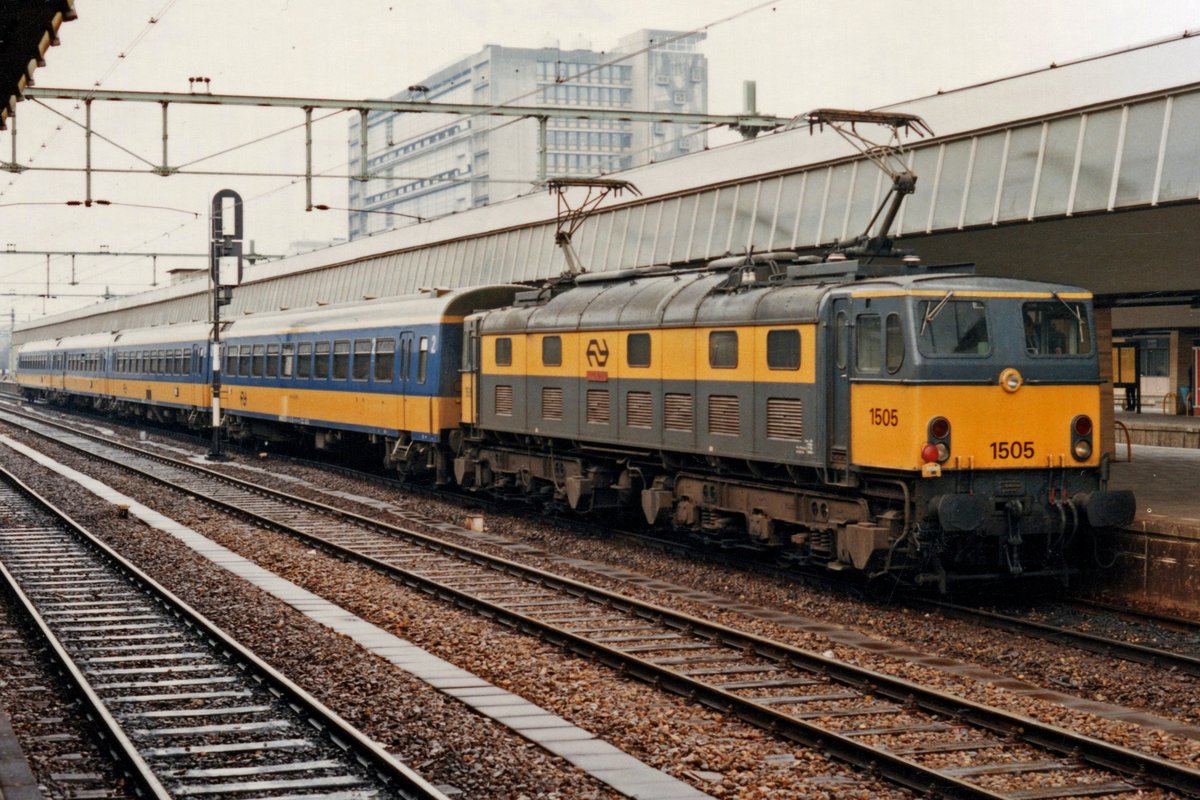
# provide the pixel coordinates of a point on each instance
(551, 351)
(504, 352)
(893, 337)
(953, 327)
(723, 349)
(1056, 328)
(783, 349)
(637, 349)
(868, 344)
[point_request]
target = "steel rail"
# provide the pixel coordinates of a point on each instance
(1095, 643)
(1140, 766)
(394, 774)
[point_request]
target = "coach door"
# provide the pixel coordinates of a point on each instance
(838, 411)
(408, 403)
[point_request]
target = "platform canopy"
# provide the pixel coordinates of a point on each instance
(28, 28)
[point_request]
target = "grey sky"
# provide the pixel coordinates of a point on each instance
(803, 54)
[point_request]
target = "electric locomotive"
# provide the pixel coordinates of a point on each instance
(893, 421)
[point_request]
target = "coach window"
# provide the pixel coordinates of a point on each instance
(723, 349)
(272, 370)
(304, 360)
(422, 358)
(244, 361)
(341, 359)
(894, 339)
(868, 355)
(361, 367)
(256, 366)
(551, 351)
(321, 361)
(187, 362)
(231, 357)
(287, 366)
(783, 349)
(385, 360)
(503, 352)
(637, 349)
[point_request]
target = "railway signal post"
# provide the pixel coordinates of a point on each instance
(225, 269)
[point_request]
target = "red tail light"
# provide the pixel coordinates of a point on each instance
(1083, 425)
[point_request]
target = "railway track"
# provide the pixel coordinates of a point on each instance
(183, 709)
(1171, 652)
(919, 738)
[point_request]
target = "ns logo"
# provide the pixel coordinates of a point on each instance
(597, 352)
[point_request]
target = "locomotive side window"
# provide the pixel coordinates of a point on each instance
(894, 341)
(321, 361)
(341, 359)
(385, 357)
(637, 349)
(361, 368)
(723, 349)
(1056, 328)
(953, 328)
(783, 349)
(551, 351)
(304, 360)
(504, 352)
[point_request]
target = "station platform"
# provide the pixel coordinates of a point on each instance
(1160, 552)
(1153, 428)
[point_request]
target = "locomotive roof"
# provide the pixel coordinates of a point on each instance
(651, 300)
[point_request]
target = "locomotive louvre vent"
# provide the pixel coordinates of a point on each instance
(639, 410)
(504, 401)
(724, 415)
(597, 406)
(678, 414)
(552, 402)
(785, 418)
